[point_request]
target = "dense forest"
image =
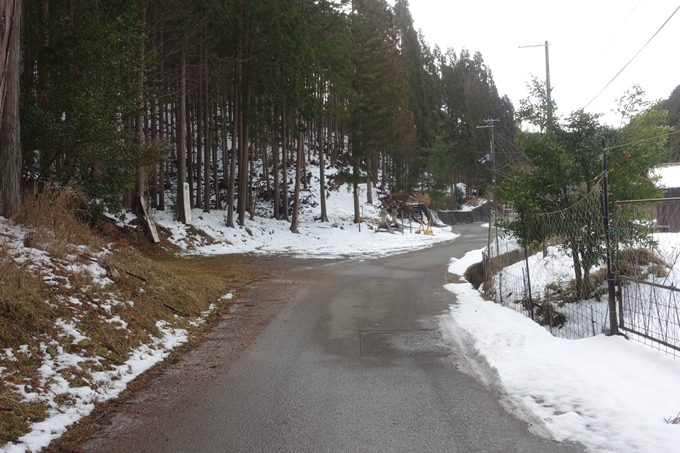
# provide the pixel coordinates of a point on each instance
(133, 99)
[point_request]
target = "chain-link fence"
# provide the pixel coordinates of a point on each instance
(550, 267)
(647, 234)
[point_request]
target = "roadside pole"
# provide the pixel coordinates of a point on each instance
(613, 322)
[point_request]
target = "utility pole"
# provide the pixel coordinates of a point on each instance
(492, 220)
(611, 289)
(547, 76)
(489, 124)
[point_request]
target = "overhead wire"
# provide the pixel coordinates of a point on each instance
(631, 60)
(643, 140)
(617, 34)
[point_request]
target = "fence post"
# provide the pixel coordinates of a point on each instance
(526, 263)
(550, 317)
(619, 298)
(613, 325)
(592, 320)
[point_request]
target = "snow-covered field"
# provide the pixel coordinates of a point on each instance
(591, 317)
(555, 268)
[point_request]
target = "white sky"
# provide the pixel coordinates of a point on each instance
(590, 41)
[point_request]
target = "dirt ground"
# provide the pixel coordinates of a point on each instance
(210, 351)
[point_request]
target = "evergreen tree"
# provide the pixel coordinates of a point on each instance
(380, 120)
(79, 100)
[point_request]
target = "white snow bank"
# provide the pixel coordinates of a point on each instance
(610, 394)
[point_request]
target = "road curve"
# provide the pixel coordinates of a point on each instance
(354, 362)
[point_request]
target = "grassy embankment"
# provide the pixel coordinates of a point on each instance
(44, 285)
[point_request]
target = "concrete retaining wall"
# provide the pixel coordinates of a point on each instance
(479, 214)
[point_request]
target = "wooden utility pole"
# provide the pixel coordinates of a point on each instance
(489, 124)
(547, 77)
(492, 220)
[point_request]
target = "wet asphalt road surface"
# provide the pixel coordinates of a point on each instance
(352, 362)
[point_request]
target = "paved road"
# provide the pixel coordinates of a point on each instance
(354, 362)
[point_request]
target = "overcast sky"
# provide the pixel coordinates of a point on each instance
(590, 41)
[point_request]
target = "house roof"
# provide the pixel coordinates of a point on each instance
(669, 176)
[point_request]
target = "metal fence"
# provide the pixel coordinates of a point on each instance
(529, 267)
(552, 268)
(648, 270)
(650, 313)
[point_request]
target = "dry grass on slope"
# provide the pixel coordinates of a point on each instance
(67, 290)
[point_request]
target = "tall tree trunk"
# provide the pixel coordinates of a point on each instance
(225, 147)
(298, 180)
(322, 173)
(275, 175)
(233, 152)
(251, 184)
(247, 190)
(153, 184)
(199, 141)
(304, 160)
(284, 163)
(206, 131)
(161, 128)
(369, 177)
(214, 140)
(355, 188)
(161, 138)
(190, 150)
(181, 143)
(140, 174)
(329, 137)
(10, 136)
(242, 167)
(265, 164)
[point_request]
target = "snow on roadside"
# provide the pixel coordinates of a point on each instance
(610, 394)
(458, 266)
(106, 385)
(338, 238)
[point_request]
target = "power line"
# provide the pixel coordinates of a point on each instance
(617, 34)
(643, 140)
(631, 60)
